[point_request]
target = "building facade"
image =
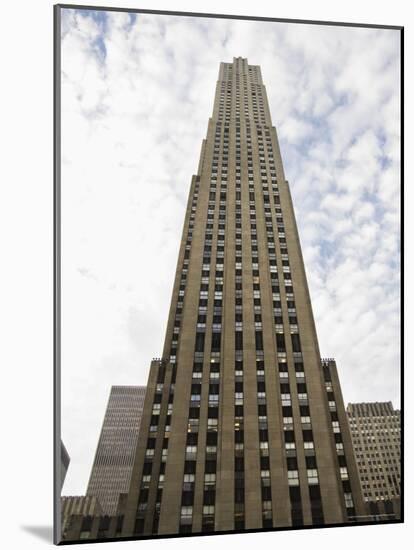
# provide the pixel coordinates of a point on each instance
(77, 507)
(95, 527)
(346, 463)
(83, 518)
(114, 458)
(376, 432)
(237, 432)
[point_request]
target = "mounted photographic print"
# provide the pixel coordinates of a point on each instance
(227, 274)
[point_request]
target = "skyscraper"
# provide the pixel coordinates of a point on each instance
(114, 458)
(236, 431)
(376, 431)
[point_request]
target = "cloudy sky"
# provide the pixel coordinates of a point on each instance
(137, 92)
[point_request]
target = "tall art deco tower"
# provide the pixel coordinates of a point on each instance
(238, 429)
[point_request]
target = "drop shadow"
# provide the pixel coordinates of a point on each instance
(43, 532)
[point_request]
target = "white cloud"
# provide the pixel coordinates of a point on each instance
(295, 130)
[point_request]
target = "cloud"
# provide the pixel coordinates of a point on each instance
(137, 93)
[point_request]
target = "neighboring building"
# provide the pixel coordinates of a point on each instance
(64, 463)
(95, 525)
(348, 470)
(237, 432)
(81, 506)
(114, 458)
(375, 430)
(384, 510)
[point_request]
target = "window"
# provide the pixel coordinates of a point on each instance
(239, 340)
(267, 505)
(344, 472)
(280, 342)
(259, 340)
(189, 478)
(209, 479)
(216, 341)
(312, 477)
(199, 345)
(212, 423)
(335, 427)
(349, 503)
(296, 343)
(186, 512)
(293, 477)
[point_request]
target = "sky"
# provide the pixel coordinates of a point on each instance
(137, 92)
